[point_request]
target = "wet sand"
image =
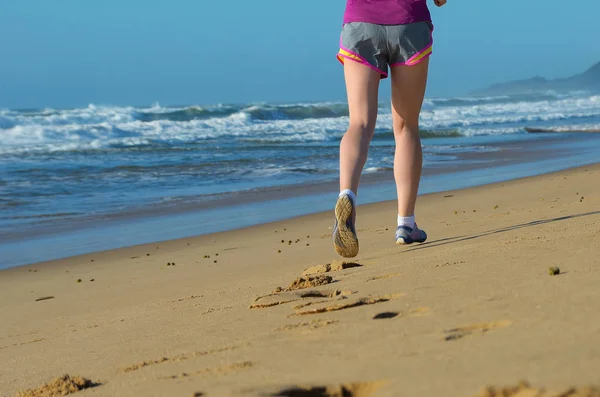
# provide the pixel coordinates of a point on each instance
(268, 310)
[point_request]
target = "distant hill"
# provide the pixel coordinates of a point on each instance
(588, 81)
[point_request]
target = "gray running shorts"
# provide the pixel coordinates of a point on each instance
(380, 46)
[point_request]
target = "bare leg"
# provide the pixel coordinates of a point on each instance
(362, 85)
(408, 92)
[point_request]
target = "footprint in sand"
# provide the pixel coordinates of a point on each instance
(461, 332)
(290, 294)
(36, 340)
(307, 282)
(214, 371)
(334, 266)
(347, 304)
(525, 390)
(281, 298)
(312, 325)
(181, 357)
(384, 277)
(60, 386)
(366, 389)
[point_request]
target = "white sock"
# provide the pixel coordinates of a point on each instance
(349, 193)
(406, 221)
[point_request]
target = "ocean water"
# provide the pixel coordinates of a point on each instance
(70, 166)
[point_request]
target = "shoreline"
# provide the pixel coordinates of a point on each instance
(323, 212)
(475, 299)
(60, 238)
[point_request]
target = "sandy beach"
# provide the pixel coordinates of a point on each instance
(227, 314)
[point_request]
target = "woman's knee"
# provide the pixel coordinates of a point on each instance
(363, 127)
(401, 128)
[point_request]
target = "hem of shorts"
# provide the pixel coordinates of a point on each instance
(386, 23)
(360, 60)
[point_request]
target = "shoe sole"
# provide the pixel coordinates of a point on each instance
(345, 240)
(402, 241)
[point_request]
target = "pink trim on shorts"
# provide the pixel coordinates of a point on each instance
(360, 60)
(410, 62)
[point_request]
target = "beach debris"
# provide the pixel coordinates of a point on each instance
(448, 196)
(455, 212)
(279, 251)
(91, 260)
(206, 256)
(78, 280)
(147, 254)
(217, 254)
(215, 261)
(60, 386)
(307, 236)
(282, 241)
(168, 263)
(44, 298)
(496, 207)
(554, 271)
(92, 280)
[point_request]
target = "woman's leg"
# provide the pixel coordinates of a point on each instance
(408, 92)
(362, 85)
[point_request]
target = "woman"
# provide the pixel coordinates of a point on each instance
(377, 34)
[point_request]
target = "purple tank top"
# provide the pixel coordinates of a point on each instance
(387, 12)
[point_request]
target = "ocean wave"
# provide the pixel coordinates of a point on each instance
(185, 113)
(106, 128)
(500, 99)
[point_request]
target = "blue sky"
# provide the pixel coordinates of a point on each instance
(71, 53)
